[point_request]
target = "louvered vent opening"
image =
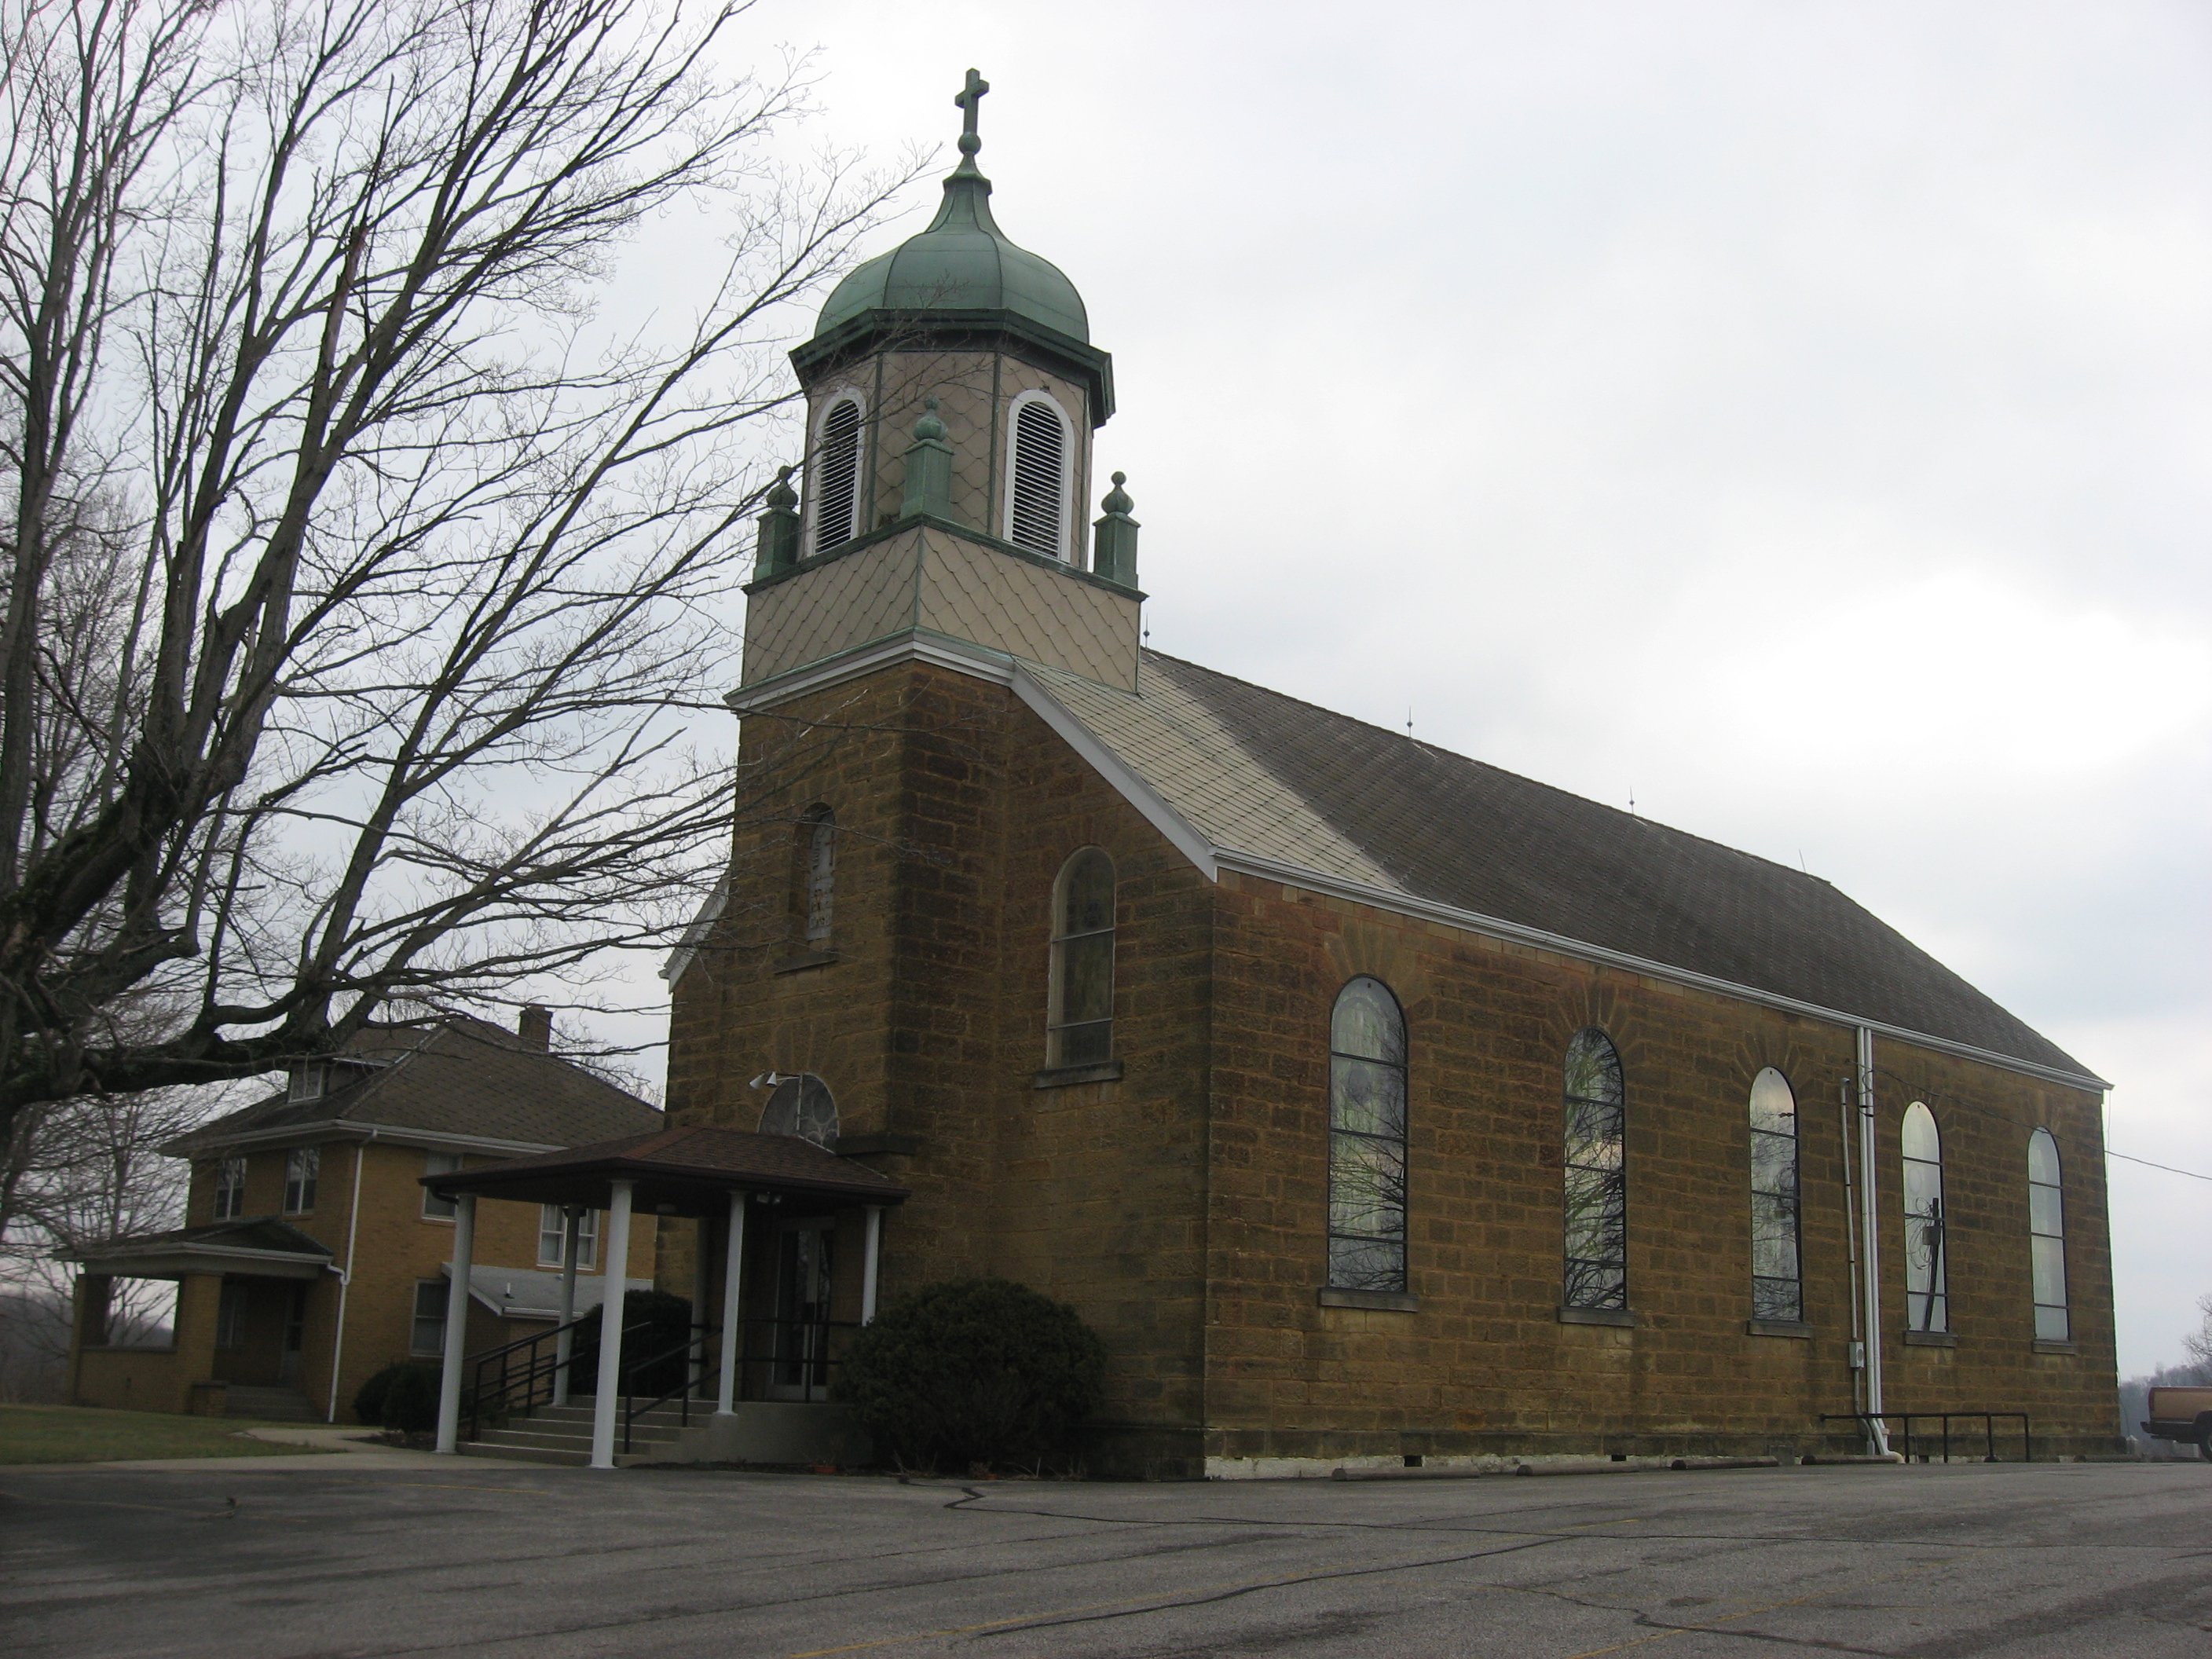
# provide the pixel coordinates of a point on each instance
(1040, 457)
(837, 477)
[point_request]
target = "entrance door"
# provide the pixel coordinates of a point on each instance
(800, 1368)
(295, 1333)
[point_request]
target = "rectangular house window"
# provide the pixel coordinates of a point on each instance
(435, 1208)
(229, 1188)
(430, 1333)
(550, 1244)
(301, 1164)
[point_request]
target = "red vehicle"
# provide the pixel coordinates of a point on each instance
(2182, 1414)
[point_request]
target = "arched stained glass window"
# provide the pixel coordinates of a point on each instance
(804, 1107)
(1927, 1300)
(1777, 1289)
(1037, 495)
(2047, 1228)
(1367, 1139)
(1597, 1176)
(1079, 1020)
(835, 485)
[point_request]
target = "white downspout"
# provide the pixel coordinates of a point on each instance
(345, 1278)
(1870, 1230)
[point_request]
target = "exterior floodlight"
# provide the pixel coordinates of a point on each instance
(765, 1080)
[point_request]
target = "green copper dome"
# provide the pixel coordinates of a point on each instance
(963, 262)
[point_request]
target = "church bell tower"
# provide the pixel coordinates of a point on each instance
(952, 394)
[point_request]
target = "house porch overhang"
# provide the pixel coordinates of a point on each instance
(257, 1248)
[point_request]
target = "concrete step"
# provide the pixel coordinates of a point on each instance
(272, 1404)
(559, 1440)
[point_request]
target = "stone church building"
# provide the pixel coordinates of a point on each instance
(1375, 1105)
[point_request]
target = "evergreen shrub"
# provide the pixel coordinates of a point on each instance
(972, 1372)
(667, 1321)
(403, 1396)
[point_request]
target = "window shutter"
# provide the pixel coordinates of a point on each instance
(838, 476)
(1040, 463)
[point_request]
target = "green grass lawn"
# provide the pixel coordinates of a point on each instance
(76, 1434)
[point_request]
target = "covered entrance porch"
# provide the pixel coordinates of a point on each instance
(230, 1341)
(786, 1243)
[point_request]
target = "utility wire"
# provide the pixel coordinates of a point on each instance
(2147, 1165)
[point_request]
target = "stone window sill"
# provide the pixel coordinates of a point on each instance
(2045, 1345)
(1060, 1077)
(1596, 1316)
(1388, 1301)
(1930, 1339)
(804, 960)
(1797, 1327)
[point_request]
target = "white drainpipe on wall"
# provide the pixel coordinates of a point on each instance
(345, 1278)
(1870, 1225)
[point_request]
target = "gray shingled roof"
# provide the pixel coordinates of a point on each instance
(1266, 775)
(461, 1077)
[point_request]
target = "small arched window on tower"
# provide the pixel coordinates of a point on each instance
(1776, 1283)
(817, 891)
(2047, 1229)
(1367, 1139)
(836, 482)
(1037, 474)
(804, 1107)
(1079, 1024)
(1595, 1177)
(1927, 1299)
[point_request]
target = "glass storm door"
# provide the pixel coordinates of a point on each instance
(800, 1368)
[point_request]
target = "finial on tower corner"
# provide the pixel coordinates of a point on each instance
(1113, 538)
(969, 102)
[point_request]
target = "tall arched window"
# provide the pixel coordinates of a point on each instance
(1037, 467)
(1079, 1020)
(1367, 1139)
(1777, 1289)
(1597, 1176)
(2047, 1228)
(1927, 1301)
(836, 482)
(818, 834)
(802, 1106)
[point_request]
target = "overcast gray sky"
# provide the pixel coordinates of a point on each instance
(1796, 415)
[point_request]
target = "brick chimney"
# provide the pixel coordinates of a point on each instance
(534, 1025)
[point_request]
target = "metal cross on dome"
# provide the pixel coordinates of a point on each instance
(969, 101)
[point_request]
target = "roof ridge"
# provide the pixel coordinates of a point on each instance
(1439, 751)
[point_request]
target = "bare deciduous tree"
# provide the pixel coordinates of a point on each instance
(361, 566)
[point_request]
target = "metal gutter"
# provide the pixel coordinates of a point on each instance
(1406, 904)
(344, 1129)
(345, 1277)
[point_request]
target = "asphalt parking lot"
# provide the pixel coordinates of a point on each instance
(482, 1558)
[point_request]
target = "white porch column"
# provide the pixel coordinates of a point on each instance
(734, 1269)
(614, 1269)
(869, 1260)
(694, 1362)
(572, 1245)
(457, 1324)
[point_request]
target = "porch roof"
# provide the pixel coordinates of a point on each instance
(255, 1247)
(686, 1171)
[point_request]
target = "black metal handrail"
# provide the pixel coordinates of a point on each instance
(694, 1343)
(800, 1344)
(1989, 1421)
(497, 1398)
